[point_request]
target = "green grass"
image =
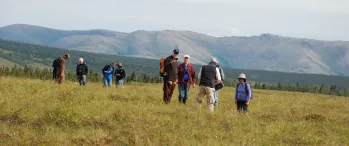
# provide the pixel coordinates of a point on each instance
(5, 62)
(35, 112)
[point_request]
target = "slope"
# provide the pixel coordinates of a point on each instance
(264, 52)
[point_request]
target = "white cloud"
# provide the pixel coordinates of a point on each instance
(235, 32)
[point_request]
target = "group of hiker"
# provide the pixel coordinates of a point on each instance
(108, 71)
(211, 78)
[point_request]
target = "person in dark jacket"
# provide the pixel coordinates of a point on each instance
(120, 75)
(215, 62)
(170, 75)
(209, 75)
(81, 72)
(186, 77)
(243, 94)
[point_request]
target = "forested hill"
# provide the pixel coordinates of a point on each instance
(14, 53)
(264, 52)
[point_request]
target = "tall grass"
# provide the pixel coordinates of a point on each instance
(35, 112)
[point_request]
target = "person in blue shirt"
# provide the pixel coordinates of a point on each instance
(108, 72)
(243, 94)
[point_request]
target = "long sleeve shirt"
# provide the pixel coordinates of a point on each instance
(243, 92)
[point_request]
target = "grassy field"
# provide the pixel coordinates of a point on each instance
(34, 112)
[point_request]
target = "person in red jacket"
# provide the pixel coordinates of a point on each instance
(186, 78)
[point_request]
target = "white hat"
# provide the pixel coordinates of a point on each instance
(80, 59)
(214, 60)
(186, 56)
(242, 76)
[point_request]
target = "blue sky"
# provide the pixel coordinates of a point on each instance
(317, 19)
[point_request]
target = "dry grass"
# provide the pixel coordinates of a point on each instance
(34, 112)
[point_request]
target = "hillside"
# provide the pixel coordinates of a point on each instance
(264, 52)
(44, 114)
(13, 53)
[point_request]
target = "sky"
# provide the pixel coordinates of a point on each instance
(316, 19)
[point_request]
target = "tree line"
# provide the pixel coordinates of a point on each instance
(46, 74)
(34, 55)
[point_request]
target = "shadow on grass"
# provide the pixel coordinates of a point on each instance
(12, 118)
(315, 118)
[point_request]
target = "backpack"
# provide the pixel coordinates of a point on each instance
(162, 67)
(105, 68)
(245, 88)
(56, 63)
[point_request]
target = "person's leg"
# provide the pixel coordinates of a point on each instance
(172, 88)
(110, 82)
(84, 80)
(241, 105)
(216, 98)
(105, 82)
(79, 79)
(199, 96)
(210, 98)
(119, 83)
(62, 79)
(245, 107)
(238, 105)
(180, 92)
(58, 76)
(166, 89)
(186, 92)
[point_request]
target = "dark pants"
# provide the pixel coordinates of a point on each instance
(54, 73)
(168, 91)
(242, 106)
(183, 90)
(60, 77)
(82, 80)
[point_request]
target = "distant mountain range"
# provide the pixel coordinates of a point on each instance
(39, 56)
(264, 52)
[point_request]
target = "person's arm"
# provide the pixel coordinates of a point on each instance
(249, 94)
(236, 92)
(218, 75)
(199, 75)
(167, 62)
(86, 69)
(222, 74)
(123, 74)
(193, 75)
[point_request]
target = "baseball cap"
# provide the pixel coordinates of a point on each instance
(186, 56)
(176, 51)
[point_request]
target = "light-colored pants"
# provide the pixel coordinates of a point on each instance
(107, 82)
(82, 80)
(119, 83)
(216, 98)
(209, 93)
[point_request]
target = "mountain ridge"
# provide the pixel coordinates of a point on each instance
(264, 52)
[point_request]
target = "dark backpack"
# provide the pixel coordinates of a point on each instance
(105, 68)
(56, 63)
(245, 88)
